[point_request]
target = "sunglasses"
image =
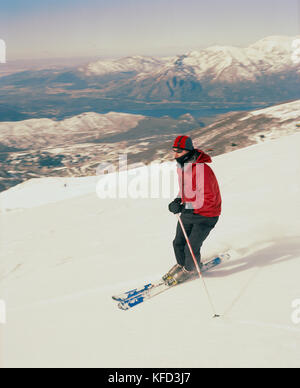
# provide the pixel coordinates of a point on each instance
(178, 150)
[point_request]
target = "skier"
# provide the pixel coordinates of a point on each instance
(199, 202)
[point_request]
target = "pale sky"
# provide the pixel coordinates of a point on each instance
(73, 28)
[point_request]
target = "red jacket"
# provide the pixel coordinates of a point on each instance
(198, 186)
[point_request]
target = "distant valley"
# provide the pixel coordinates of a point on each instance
(76, 146)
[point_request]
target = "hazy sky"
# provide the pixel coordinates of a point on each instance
(71, 28)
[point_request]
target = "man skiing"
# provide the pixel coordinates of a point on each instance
(199, 202)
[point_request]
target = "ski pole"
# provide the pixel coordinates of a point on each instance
(197, 267)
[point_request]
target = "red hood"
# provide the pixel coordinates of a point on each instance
(203, 157)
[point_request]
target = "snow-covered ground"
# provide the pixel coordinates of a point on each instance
(62, 261)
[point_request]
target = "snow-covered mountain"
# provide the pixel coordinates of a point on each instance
(61, 262)
(264, 73)
(217, 63)
(135, 64)
(232, 64)
(199, 73)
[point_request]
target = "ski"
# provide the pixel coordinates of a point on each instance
(136, 296)
(156, 289)
(136, 291)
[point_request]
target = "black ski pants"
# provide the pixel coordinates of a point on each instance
(197, 228)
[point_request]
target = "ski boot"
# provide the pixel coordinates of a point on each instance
(182, 276)
(171, 273)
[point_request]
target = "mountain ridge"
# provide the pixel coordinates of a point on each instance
(264, 73)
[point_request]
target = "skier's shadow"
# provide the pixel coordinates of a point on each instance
(276, 252)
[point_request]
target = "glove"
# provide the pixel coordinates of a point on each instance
(176, 206)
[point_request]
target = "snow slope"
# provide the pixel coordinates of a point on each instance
(61, 262)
